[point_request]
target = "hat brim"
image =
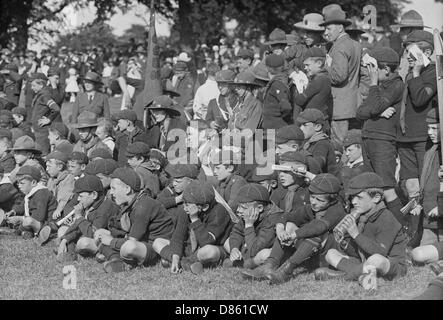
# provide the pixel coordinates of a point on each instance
(81, 126)
(25, 149)
(336, 21)
(408, 26)
(172, 112)
(355, 31)
(252, 84)
(353, 192)
(171, 93)
(270, 43)
(90, 80)
(301, 25)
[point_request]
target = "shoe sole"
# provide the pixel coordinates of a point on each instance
(251, 277)
(43, 236)
(435, 268)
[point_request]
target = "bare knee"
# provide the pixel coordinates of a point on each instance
(208, 253)
(226, 246)
(27, 222)
(159, 244)
(424, 254)
(262, 255)
(376, 259)
(128, 249)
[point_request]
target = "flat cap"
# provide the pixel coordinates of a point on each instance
(287, 133)
(127, 115)
(103, 166)
(432, 117)
(128, 176)
(163, 101)
(314, 52)
(252, 192)
(64, 146)
(353, 137)
(38, 76)
(311, 115)
(225, 76)
(180, 66)
(325, 183)
(420, 35)
(5, 133)
(274, 61)
(245, 53)
(31, 171)
(385, 54)
(138, 149)
(198, 193)
(58, 155)
(88, 183)
(293, 156)
(103, 153)
(81, 157)
(19, 110)
(182, 170)
(158, 155)
(364, 181)
(61, 128)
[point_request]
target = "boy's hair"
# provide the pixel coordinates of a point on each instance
(40, 82)
(423, 45)
(392, 66)
(276, 70)
(318, 59)
(107, 126)
(374, 191)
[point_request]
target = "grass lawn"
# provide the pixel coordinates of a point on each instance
(31, 272)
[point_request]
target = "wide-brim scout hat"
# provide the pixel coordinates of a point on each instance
(225, 76)
(25, 143)
(260, 72)
(334, 14)
(164, 103)
(311, 22)
(410, 19)
(86, 119)
(277, 36)
(92, 77)
(353, 28)
(245, 78)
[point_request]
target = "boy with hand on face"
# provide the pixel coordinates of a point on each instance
(251, 239)
(312, 123)
(374, 241)
(102, 168)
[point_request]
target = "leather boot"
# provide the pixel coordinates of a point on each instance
(260, 273)
(282, 274)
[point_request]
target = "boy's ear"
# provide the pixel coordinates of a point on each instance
(230, 168)
(428, 52)
(83, 166)
(205, 207)
(274, 184)
(318, 127)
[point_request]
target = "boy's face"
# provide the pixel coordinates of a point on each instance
(319, 202)
(363, 203)
(87, 198)
(332, 32)
(191, 208)
(106, 181)
(309, 129)
(286, 179)
(222, 171)
(52, 168)
(135, 161)
(240, 90)
(118, 191)
(21, 157)
(100, 132)
(248, 207)
(434, 132)
(18, 118)
(179, 184)
(75, 168)
(53, 137)
(85, 133)
(382, 74)
(122, 124)
(353, 152)
(224, 88)
(269, 184)
(159, 115)
(36, 87)
(312, 67)
(25, 185)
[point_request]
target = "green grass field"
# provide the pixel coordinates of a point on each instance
(28, 271)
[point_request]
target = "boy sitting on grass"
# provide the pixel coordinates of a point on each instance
(376, 242)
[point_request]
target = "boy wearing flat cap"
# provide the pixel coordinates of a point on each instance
(39, 202)
(380, 113)
(129, 133)
(375, 242)
(312, 123)
(419, 97)
(304, 231)
(277, 110)
(171, 250)
(268, 178)
(289, 138)
(209, 225)
(19, 115)
(225, 170)
(250, 241)
(91, 213)
(318, 92)
(133, 230)
(102, 168)
(137, 154)
(431, 245)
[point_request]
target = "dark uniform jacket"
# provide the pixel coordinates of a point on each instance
(229, 188)
(91, 145)
(260, 236)
(144, 219)
(186, 86)
(95, 218)
(43, 105)
(58, 93)
(7, 162)
(422, 97)
(99, 105)
(300, 198)
(323, 152)
(388, 94)
(12, 89)
(382, 234)
(123, 139)
(218, 109)
(41, 205)
(277, 110)
(155, 132)
(10, 197)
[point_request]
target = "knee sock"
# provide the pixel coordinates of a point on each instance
(352, 268)
(166, 253)
(395, 207)
(305, 250)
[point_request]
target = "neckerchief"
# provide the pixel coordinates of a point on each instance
(29, 195)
